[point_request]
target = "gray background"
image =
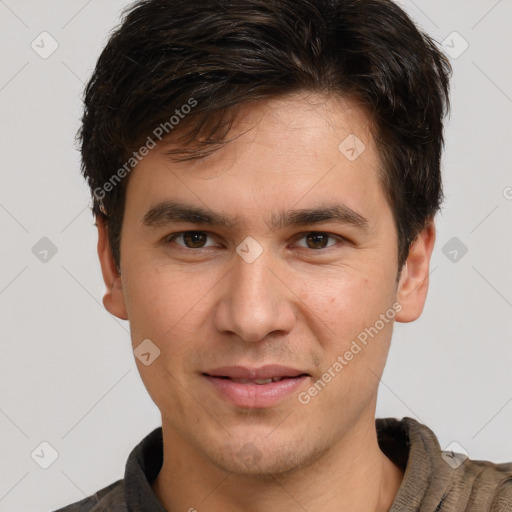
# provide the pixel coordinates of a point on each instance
(67, 373)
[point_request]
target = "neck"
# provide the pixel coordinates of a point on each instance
(353, 475)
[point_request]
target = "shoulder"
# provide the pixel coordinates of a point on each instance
(442, 480)
(108, 499)
(490, 484)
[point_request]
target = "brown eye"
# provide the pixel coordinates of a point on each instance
(191, 239)
(316, 240)
(194, 239)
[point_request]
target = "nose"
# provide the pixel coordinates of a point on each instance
(255, 300)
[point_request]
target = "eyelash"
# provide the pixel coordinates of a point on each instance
(172, 237)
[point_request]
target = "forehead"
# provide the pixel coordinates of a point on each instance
(284, 153)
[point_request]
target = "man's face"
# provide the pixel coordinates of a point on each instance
(297, 296)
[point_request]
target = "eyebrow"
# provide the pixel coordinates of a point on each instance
(168, 212)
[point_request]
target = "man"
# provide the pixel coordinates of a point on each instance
(265, 177)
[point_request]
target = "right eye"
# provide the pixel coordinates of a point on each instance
(190, 239)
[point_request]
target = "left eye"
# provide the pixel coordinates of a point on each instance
(197, 240)
(316, 240)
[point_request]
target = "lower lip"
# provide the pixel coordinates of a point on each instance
(254, 396)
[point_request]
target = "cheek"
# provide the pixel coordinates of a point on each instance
(166, 304)
(147, 298)
(355, 345)
(345, 303)
(164, 307)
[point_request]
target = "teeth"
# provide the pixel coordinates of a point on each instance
(258, 381)
(263, 381)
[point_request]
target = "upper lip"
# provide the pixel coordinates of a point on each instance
(263, 372)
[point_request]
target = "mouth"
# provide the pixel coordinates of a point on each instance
(255, 381)
(262, 375)
(253, 388)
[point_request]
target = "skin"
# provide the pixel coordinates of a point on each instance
(207, 307)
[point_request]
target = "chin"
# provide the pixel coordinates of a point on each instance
(264, 460)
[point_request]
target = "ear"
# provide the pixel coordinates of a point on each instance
(113, 300)
(413, 286)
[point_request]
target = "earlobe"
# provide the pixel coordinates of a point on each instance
(113, 300)
(413, 285)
